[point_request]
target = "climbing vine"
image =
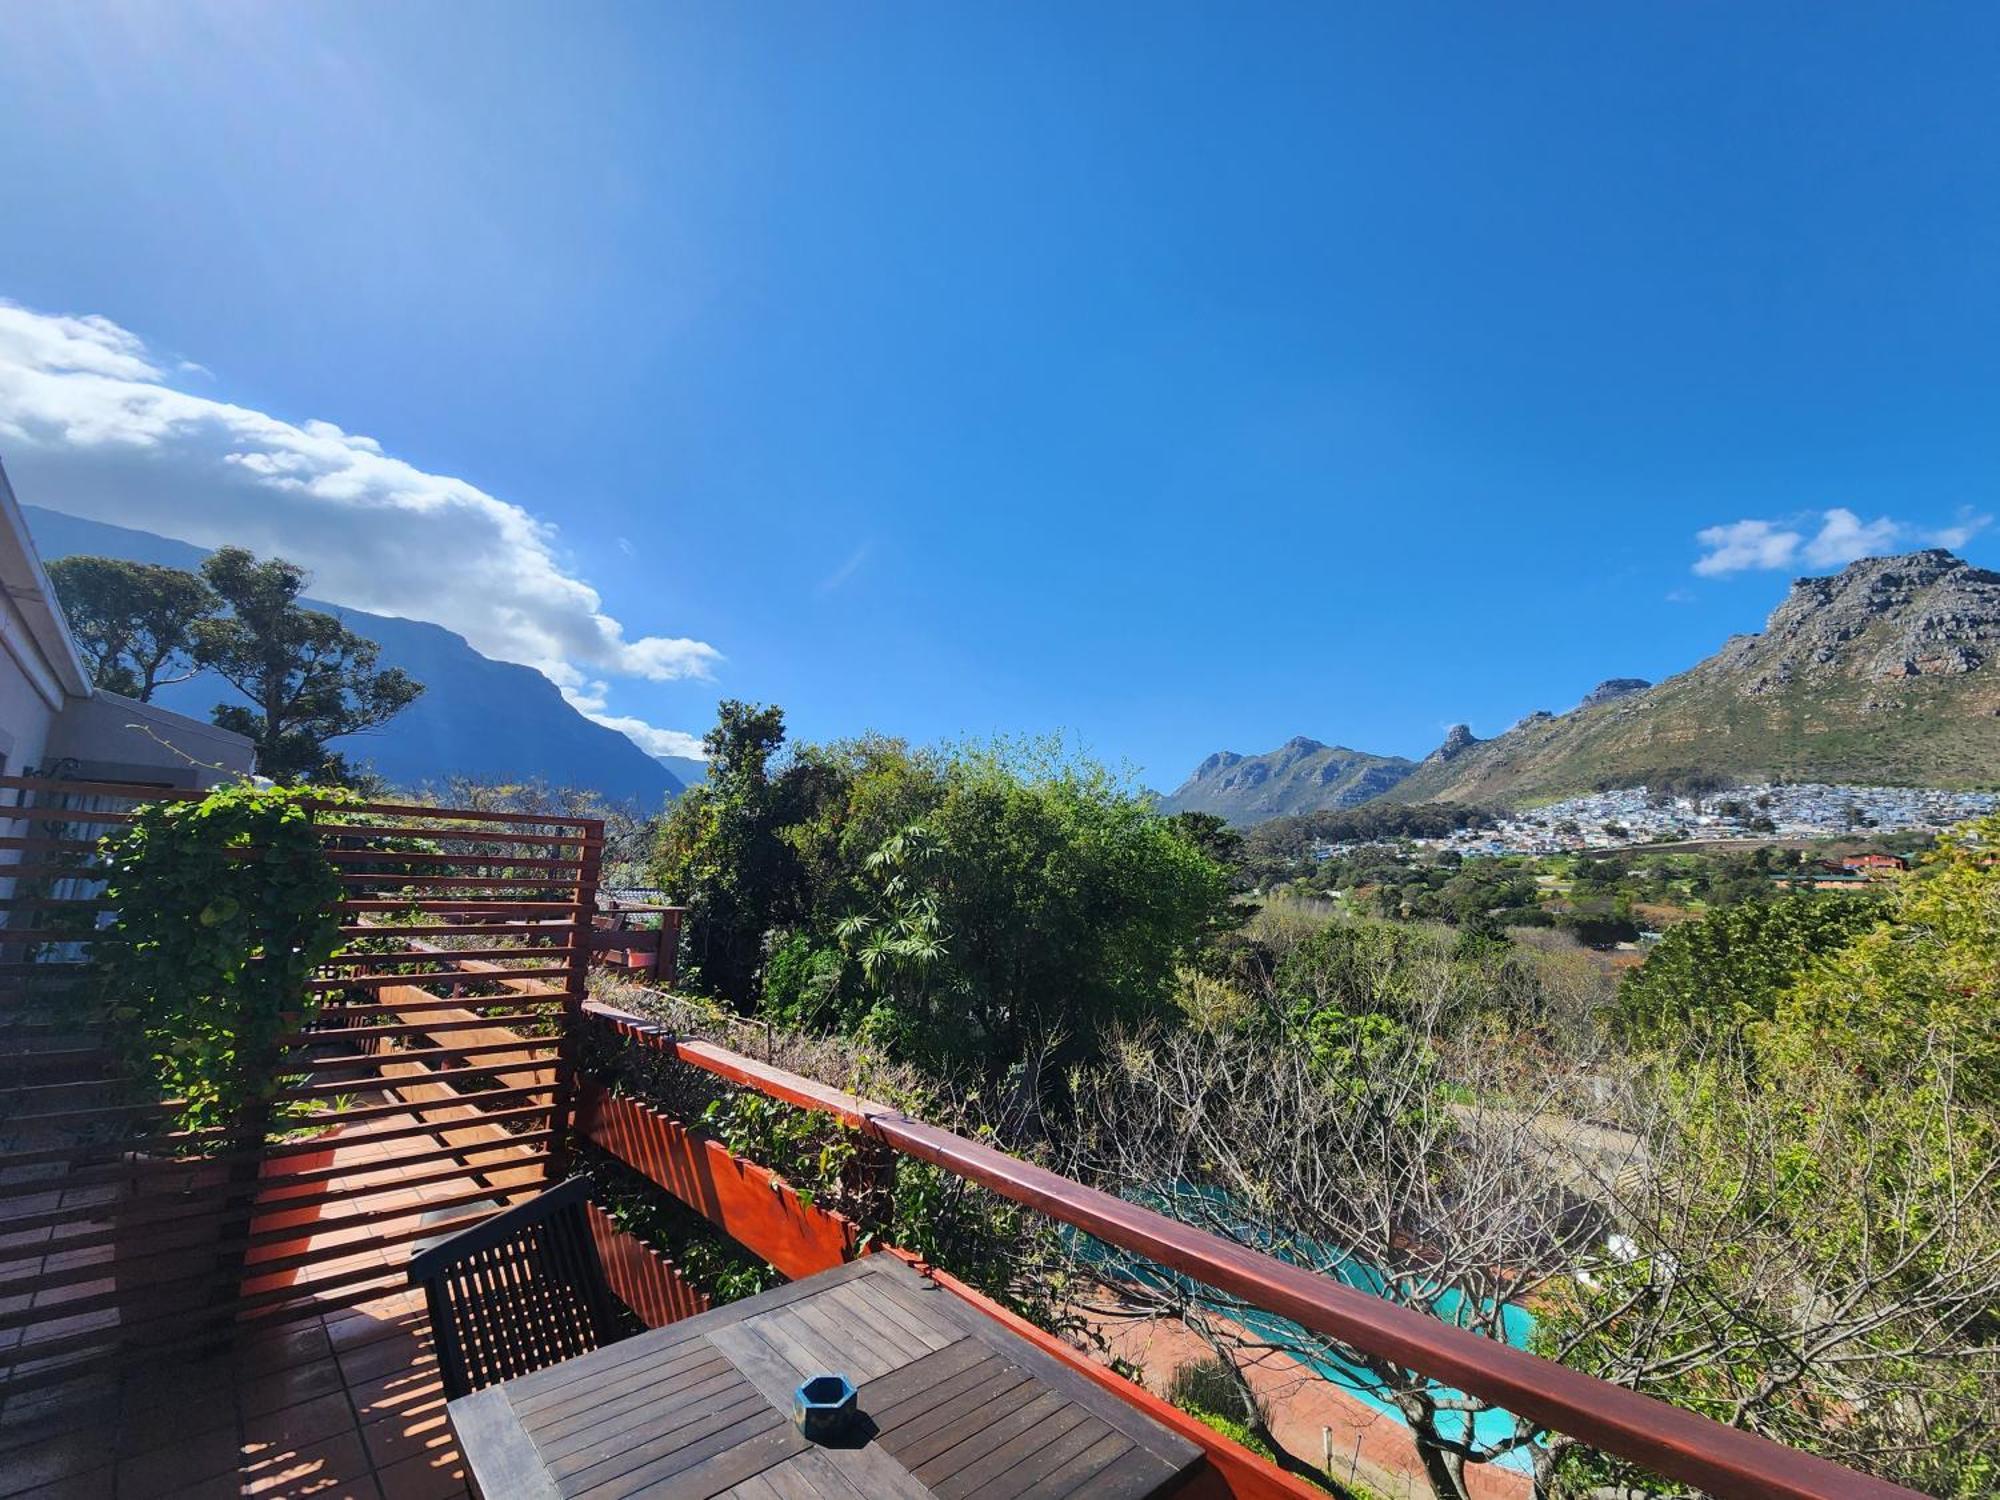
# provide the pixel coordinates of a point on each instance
(225, 907)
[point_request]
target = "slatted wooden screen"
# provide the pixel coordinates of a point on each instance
(432, 1085)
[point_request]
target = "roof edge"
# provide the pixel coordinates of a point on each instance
(27, 584)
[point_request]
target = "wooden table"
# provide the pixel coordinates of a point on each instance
(953, 1404)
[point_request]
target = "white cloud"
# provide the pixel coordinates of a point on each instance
(1745, 544)
(95, 425)
(654, 740)
(591, 699)
(1968, 526)
(1841, 538)
(1844, 536)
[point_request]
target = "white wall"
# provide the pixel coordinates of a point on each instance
(29, 693)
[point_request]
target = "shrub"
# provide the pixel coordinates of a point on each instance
(225, 907)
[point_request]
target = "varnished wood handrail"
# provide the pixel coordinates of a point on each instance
(1667, 1439)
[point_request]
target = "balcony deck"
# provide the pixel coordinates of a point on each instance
(442, 1082)
(344, 1402)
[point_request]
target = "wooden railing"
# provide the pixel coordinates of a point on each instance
(1673, 1442)
(640, 939)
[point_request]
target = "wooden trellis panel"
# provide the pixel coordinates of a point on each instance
(433, 1083)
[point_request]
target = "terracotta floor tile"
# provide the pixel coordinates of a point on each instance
(89, 1255)
(422, 1479)
(385, 1357)
(177, 1464)
(222, 1487)
(55, 1328)
(279, 1349)
(201, 1385)
(96, 1485)
(358, 1329)
(62, 1455)
(427, 1435)
(396, 1304)
(295, 1427)
(282, 1388)
(39, 1415)
(55, 1296)
(99, 1387)
(355, 1261)
(42, 1424)
(149, 1427)
(336, 1469)
(405, 1396)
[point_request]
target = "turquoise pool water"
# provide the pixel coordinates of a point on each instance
(1489, 1427)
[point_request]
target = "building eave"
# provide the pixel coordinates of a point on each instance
(49, 657)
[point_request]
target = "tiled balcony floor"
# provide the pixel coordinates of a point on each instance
(342, 1401)
(343, 1404)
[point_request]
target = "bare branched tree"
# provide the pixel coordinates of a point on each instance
(1417, 1169)
(1797, 1264)
(1807, 1258)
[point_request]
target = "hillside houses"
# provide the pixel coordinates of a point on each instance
(1634, 817)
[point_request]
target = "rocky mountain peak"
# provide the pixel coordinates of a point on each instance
(1301, 775)
(1457, 739)
(1613, 687)
(1921, 614)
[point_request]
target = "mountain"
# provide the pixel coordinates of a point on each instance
(1299, 776)
(1887, 672)
(1613, 687)
(492, 720)
(687, 770)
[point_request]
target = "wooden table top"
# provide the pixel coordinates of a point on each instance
(953, 1404)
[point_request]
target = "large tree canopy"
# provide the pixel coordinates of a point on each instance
(134, 622)
(308, 677)
(1728, 968)
(969, 906)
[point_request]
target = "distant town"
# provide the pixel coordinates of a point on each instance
(1760, 812)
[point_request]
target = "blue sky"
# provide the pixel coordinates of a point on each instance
(1177, 376)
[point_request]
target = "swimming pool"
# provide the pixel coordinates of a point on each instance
(1490, 1427)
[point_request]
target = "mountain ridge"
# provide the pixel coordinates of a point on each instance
(1301, 775)
(1887, 672)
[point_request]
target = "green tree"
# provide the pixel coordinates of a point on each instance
(308, 677)
(1728, 969)
(1211, 835)
(721, 854)
(133, 622)
(1813, 1248)
(1818, 1263)
(1925, 978)
(972, 906)
(1066, 903)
